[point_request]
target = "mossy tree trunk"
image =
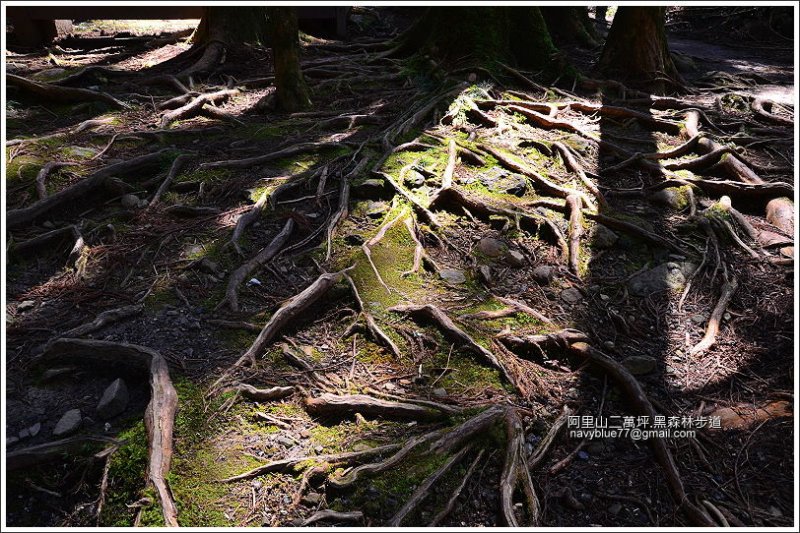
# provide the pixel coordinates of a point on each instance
(292, 91)
(570, 25)
(636, 50)
(482, 35)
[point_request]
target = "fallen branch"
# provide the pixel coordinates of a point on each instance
(103, 319)
(728, 289)
(330, 405)
(575, 232)
(329, 515)
(173, 171)
(263, 395)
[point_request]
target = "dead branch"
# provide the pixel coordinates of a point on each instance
(173, 171)
(575, 232)
(50, 451)
(103, 319)
(515, 473)
(263, 395)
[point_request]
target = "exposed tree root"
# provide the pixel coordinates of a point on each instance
(780, 213)
(572, 164)
(375, 330)
(451, 502)
(248, 267)
(49, 240)
(329, 515)
(55, 93)
(421, 210)
(515, 473)
(424, 489)
(331, 405)
(575, 232)
(761, 108)
(285, 314)
(515, 306)
(453, 332)
(50, 451)
(41, 177)
(336, 459)
(544, 445)
(263, 395)
(367, 247)
(260, 160)
(642, 404)
(177, 164)
(16, 218)
(103, 319)
(728, 289)
(159, 416)
(559, 340)
(193, 107)
(637, 231)
(341, 213)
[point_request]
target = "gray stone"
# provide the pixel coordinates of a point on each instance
(69, 423)
(26, 305)
(639, 364)
(665, 276)
(373, 188)
(24, 434)
(543, 274)
(608, 345)
(485, 273)
(614, 508)
(672, 197)
(698, 318)
(603, 237)
(414, 179)
(376, 209)
(571, 296)
(130, 201)
(34, 429)
(515, 259)
(491, 247)
(114, 400)
(452, 276)
(312, 499)
(285, 441)
(439, 392)
(10, 441)
(503, 182)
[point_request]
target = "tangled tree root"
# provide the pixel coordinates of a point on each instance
(159, 416)
(372, 326)
(195, 105)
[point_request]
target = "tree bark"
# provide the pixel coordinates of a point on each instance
(292, 91)
(636, 50)
(570, 25)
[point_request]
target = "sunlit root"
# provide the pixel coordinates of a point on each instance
(331, 405)
(728, 289)
(516, 474)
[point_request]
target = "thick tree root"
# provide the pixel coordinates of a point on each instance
(16, 218)
(642, 404)
(285, 314)
(367, 247)
(337, 459)
(424, 489)
(333, 406)
(728, 289)
(515, 306)
(103, 319)
(572, 164)
(575, 232)
(341, 212)
(193, 107)
(453, 332)
(48, 452)
(159, 416)
(48, 240)
(55, 93)
(329, 515)
(761, 108)
(261, 258)
(515, 473)
(544, 446)
(41, 177)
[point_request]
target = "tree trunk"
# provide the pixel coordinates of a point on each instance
(292, 93)
(482, 34)
(232, 25)
(570, 25)
(636, 50)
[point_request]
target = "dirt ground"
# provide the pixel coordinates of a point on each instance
(496, 258)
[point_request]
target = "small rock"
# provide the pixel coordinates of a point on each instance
(305, 434)
(571, 296)
(583, 456)
(543, 274)
(774, 511)
(414, 179)
(405, 382)
(639, 364)
(389, 386)
(672, 197)
(10, 441)
(34, 429)
(515, 259)
(208, 266)
(312, 499)
(24, 434)
(26, 305)
(485, 274)
(130, 201)
(318, 448)
(608, 345)
(114, 400)
(698, 319)
(373, 188)
(501, 181)
(376, 209)
(603, 237)
(52, 373)
(491, 247)
(285, 441)
(528, 448)
(439, 392)
(452, 276)
(69, 423)
(614, 508)
(665, 276)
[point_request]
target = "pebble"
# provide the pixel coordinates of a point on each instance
(515, 259)
(114, 400)
(439, 392)
(69, 423)
(608, 345)
(26, 305)
(285, 441)
(571, 296)
(543, 274)
(614, 508)
(485, 274)
(452, 276)
(639, 364)
(491, 247)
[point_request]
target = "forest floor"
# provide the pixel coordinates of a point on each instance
(448, 224)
